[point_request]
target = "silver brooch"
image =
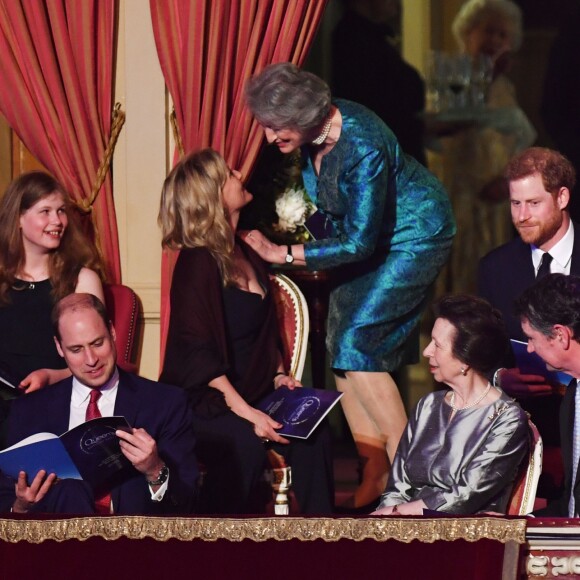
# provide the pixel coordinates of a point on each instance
(498, 411)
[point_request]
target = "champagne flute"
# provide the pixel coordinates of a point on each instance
(458, 79)
(481, 76)
(435, 81)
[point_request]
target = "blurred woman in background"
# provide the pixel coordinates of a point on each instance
(488, 31)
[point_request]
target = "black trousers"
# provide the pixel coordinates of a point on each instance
(234, 458)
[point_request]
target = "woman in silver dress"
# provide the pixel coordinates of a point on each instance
(462, 447)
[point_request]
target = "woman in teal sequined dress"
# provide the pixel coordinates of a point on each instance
(392, 230)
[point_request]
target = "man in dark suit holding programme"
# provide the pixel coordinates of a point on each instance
(540, 181)
(550, 318)
(160, 446)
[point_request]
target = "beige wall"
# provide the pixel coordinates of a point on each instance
(427, 25)
(416, 32)
(140, 166)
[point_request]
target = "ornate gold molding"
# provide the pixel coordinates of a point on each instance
(262, 529)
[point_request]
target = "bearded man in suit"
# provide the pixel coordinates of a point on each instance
(540, 181)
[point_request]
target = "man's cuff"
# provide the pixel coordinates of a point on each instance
(158, 495)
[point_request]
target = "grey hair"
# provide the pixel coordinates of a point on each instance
(283, 96)
(474, 11)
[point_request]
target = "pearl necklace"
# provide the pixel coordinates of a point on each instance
(452, 400)
(325, 131)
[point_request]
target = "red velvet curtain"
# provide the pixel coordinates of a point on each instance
(207, 50)
(56, 86)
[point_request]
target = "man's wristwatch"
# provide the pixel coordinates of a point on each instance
(289, 257)
(161, 477)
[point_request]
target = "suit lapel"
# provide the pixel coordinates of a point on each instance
(127, 402)
(58, 406)
(127, 405)
(567, 426)
(575, 263)
(568, 417)
(570, 443)
(527, 274)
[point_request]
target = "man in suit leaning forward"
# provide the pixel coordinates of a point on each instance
(550, 316)
(160, 446)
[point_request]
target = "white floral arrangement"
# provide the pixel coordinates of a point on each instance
(293, 208)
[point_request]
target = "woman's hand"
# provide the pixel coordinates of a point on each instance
(264, 427)
(266, 249)
(286, 381)
(386, 511)
(37, 380)
(409, 508)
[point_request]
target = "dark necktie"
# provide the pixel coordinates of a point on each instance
(544, 268)
(103, 501)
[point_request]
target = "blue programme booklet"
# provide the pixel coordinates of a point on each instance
(89, 451)
(300, 410)
(530, 363)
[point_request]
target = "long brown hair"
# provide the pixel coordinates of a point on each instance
(192, 215)
(74, 252)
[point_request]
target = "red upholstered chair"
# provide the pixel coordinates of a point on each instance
(294, 326)
(293, 322)
(124, 310)
(526, 483)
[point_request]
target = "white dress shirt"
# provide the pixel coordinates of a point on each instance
(561, 254)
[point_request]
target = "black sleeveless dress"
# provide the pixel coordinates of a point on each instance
(26, 336)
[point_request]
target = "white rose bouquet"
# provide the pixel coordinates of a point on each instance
(293, 208)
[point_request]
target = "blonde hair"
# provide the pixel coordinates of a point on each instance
(192, 214)
(473, 12)
(74, 252)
